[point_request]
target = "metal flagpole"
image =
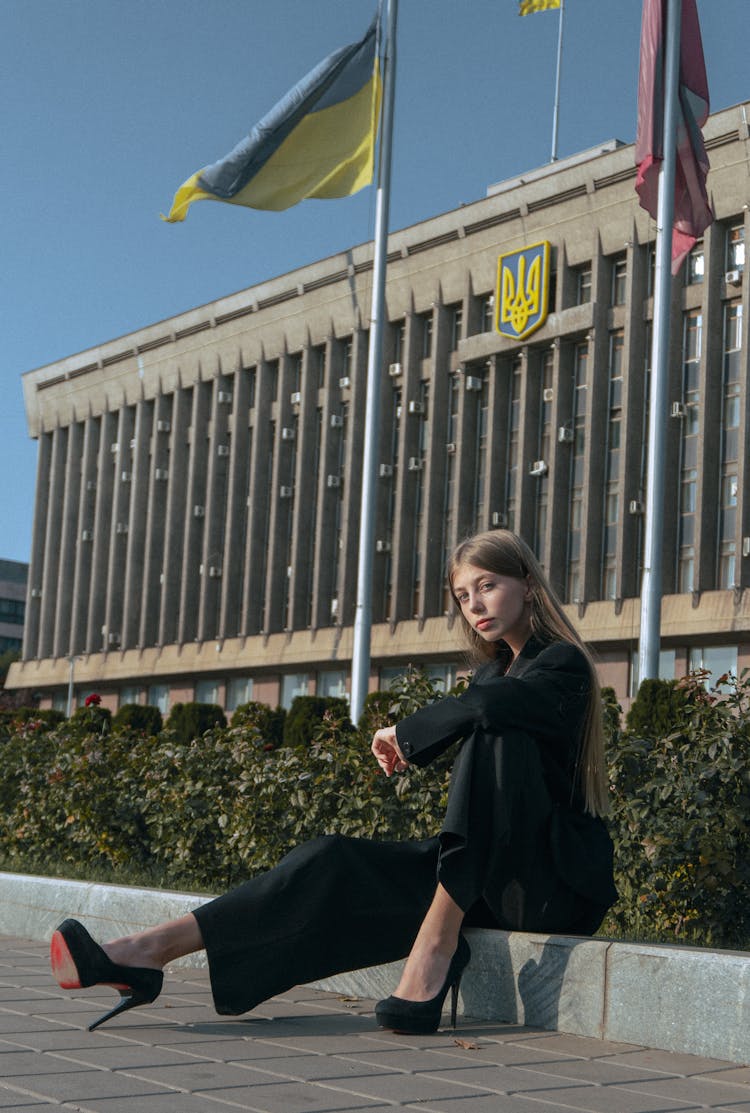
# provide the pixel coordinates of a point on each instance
(556, 109)
(651, 587)
(363, 608)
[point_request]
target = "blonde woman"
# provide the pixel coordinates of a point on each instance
(522, 845)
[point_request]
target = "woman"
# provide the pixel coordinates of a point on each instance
(521, 846)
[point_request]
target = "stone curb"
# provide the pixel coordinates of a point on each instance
(673, 998)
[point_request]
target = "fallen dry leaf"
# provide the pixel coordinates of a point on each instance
(468, 1045)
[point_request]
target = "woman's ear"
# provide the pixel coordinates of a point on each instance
(529, 589)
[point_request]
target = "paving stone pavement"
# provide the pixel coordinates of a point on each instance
(312, 1052)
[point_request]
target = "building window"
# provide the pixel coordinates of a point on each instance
(423, 442)
(207, 691)
(583, 284)
(239, 691)
(158, 696)
(399, 341)
(735, 256)
(486, 312)
(456, 323)
(131, 693)
(442, 676)
(619, 279)
(425, 335)
(717, 660)
(666, 668)
(450, 486)
(294, 684)
(332, 684)
(695, 266)
(514, 436)
(480, 461)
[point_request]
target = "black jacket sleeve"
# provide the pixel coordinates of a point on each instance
(547, 699)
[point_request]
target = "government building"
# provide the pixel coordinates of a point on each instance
(198, 489)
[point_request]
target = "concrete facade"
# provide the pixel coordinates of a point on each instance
(198, 485)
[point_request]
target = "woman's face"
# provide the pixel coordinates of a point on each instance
(498, 607)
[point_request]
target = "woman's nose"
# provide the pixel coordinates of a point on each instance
(475, 603)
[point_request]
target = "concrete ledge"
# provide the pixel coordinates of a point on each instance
(674, 998)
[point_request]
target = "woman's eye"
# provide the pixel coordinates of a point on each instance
(487, 586)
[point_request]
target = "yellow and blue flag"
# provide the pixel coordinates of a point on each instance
(526, 7)
(318, 141)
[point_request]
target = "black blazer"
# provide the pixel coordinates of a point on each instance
(544, 694)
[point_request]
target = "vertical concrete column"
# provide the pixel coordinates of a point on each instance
(560, 466)
(597, 391)
(68, 538)
(259, 500)
(430, 544)
(32, 623)
(280, 519)
(107, 465)
(329, 495)
(176, 513)
(120, 524)
(672, 468)
(217, 452)
(466, 446)
(711, 394)
(633, 426)
(148, 599)
(306, 495)
(528, 441)
(84, 539)
(137, 524)
(743, 461)
(237, 512)
(51, 566)
(498, 424)
(347, 585)
(195, 513)
(403, 541)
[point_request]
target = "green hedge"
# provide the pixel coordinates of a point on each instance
(208, 811)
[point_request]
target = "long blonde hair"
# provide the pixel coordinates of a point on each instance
(506, 554)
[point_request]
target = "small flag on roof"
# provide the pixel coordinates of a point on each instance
(318, 141)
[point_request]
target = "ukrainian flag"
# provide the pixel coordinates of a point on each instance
(318, 141)
(527, 7)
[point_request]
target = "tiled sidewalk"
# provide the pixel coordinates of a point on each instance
(311, 1051)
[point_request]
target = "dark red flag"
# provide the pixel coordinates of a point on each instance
(692, 211)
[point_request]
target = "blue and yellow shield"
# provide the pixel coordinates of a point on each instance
(522, 291)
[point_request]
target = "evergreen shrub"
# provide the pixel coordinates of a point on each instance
(138, 716)
(190, 720)
(306, 714)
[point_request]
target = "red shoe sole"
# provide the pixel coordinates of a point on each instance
(64, 969)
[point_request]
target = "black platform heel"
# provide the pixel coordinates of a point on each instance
(421, 1018)
(78, 962)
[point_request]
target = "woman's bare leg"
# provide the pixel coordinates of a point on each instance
(427, 965)
(156, 946)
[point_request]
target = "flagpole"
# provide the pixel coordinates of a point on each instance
(556, 109)
(651, 586)
(363, 606)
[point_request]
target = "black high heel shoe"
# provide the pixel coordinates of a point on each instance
(78, 962)
(420, 1018)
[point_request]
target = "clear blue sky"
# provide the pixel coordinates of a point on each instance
(108, 105)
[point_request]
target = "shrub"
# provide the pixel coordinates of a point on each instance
(681, 820)
(138, 716)
(91, 719)
(656, 709)
(191, 720)
(267, 721)
(306, 714)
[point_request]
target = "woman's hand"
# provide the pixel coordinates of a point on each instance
(387, 751)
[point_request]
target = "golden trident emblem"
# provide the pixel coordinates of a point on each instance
(523, 290)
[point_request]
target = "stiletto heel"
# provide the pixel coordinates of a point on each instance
(420, 1018)
(78, 962)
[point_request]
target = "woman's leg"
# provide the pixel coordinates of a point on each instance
(156, 946)
(427, 965)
